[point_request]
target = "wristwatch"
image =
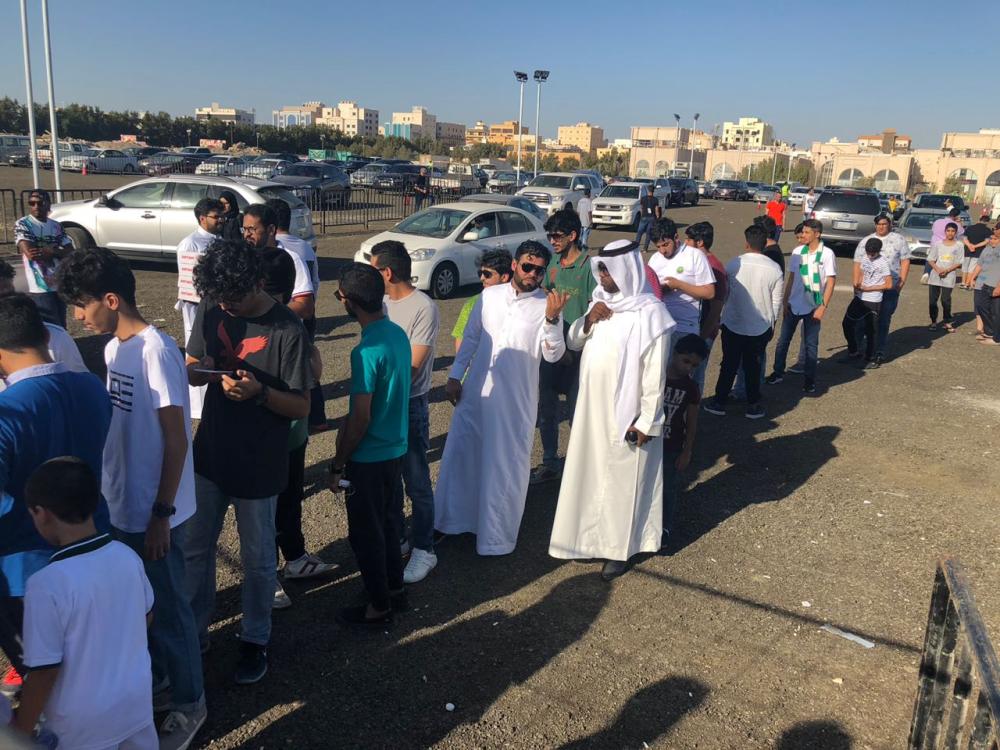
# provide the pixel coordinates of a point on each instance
(261, 399)
(552, 321)
(162, 510)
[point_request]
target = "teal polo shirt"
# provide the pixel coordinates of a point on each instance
(380, 365)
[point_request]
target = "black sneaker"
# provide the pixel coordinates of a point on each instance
(809, 388)
(774, 378)
(755, 411)
(613, 569)
(874, 363)
(355, 617)
(714, 406)
(252, 665)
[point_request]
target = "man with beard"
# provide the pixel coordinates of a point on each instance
(484, 471)
(610, 504)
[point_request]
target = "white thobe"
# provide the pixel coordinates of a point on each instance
(487, 457)
(611, 499)
(189, 251)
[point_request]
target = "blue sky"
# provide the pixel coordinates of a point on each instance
(814, 70)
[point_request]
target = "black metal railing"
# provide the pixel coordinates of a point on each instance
(362, 206)
(8, 215)
(958, 670)
(61, 196)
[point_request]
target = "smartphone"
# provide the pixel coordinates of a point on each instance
(206, 371)
(344, 484)
(631, 437)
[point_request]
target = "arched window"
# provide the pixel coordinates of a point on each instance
(887, 181)
(642, 168)
(723, 171)
(291, 120)
(825, 175)
(992, 186)
(661, 168)
(968, 180)
(850, 177)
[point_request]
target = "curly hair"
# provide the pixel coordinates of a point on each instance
(497, 260)
(90, 274)
(229, 270)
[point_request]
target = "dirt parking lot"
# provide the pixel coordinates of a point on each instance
(831, 510)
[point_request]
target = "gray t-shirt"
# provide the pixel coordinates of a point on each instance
(873, 273)
(418, 316)
(989, 274)
(945, 256)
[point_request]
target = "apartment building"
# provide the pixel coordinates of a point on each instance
(224, 114)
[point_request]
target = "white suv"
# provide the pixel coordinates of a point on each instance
(554, 191)
(150, 217)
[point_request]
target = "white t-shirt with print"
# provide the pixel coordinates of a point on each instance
(86, 612)
(40, 274)
(689, 265)
(873, 273)
(800, 299)
(303, 279)
(304, 250)
(944, 256)
(894, 249)
(145, 373)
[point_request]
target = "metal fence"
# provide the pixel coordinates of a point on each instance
(8, 215)
(958, 670)
(362, 206)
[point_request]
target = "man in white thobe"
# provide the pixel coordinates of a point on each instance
(611, 498)
(487, 458)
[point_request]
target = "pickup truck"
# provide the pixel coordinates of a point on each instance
(65, 149)
(459, 178)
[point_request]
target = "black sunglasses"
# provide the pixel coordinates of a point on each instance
(485, 273)
(532, 268)
(556, 235)
(36, 203)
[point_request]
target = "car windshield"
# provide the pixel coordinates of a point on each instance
(727, 183)
(280, 192)
(676, 182)
(302, 170)
(937, 201)
(505, 176)
(166, 158)
(800, 190)
(218, 159)
(434, 222)
(620, 191)
(551, 181)
(921, 220)
(849, 203)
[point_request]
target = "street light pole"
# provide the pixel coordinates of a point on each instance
(521, 78)
(788, 177)
(32, 133)
(691, 145)
(540, 77)
(53, 126)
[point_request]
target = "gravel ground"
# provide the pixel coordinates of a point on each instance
(831, 510)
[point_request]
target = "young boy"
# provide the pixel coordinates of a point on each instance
(680, 405)
(944, 259)
(872, 277)
(148, 474)
(494, 268)
(85, 622)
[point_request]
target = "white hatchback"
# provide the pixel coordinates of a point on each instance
(446, 241)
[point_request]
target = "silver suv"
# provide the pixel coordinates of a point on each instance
(150, 217)
(847, 215)
(554, 191)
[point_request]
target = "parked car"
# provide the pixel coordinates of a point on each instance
(229, 166)
(446, 241)
(682, 190)
(317, 183)
(752, 186)
(459, 178)
(705, 189)
(100, 160)
(554, 191)
(148, 218)
(916, 225)
(170, 162)
(797, 195)
(618, 205)
(937, 200)
(143, 152)
(196, 151)
(397, 177)
(847, 215)
(765, 193)
(13, 145)
(66, 148)
(365, 177)
(281, 155)
(503, 182)
(732, 190)
(504, 199)
(265, 169)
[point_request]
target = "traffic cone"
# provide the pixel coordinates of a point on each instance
(83, 171)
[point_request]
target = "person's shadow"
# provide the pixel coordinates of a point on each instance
(815, 735)
(647, 716)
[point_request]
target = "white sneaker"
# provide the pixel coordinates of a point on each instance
(421, 563)
(281, 599)
(306, 566)
(179, 728)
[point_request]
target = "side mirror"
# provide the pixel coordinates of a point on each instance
(471, 236)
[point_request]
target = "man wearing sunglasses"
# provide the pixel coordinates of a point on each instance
(610, 504)
(494, 268)
(568, 273)
(42, 244)
(494, 386)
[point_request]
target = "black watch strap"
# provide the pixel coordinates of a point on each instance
(162, 510)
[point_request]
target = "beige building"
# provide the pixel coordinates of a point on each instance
(748, 133)
(420, 123)
(477, 133)
(658, 151)
(297, 114)
(966, 144)
(224, 114)
(505, 133)
(887, 142)
(450, 133)
(350, 119)
(583, 136)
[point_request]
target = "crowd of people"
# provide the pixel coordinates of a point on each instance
(113, 504)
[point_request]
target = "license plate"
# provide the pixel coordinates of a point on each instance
(845, 225)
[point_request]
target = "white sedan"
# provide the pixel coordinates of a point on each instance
(446, 241)
(100, 160)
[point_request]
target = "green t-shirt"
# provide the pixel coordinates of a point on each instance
(576, 279)
(380, 365)
(463, 318)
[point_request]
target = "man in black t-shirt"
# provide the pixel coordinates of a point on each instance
(649, 212)
(421, 189)
(975, 239)
(253, 354)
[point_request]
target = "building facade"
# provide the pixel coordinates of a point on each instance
(747, 133)
(450, 133)
(224, 114)
(583, 136)
(350, 119)
(477, 133)
(297, 114)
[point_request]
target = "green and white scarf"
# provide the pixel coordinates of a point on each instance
(809, 267)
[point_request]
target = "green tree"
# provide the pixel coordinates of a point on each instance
(570, 162)
(549, 163)
(953, 186)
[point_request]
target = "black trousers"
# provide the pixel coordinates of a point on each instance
(746, 351)
(865, 314)
(988, 309)
(12, 629)
(372, 529)
(288, 513)
(944, 293)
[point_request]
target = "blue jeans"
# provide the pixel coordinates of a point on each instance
(173, 635)
(699, 372)
(416, 476)
(585, 236)
(671, 488)
(255, 526)
(810, 329)
(645, 228)
(890, 301)
(554, 379)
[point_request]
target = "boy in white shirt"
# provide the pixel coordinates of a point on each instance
(685, 277)
(872, 277)
(85, 619)
(148, 476)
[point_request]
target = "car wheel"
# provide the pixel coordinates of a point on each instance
(694, 202)
(129, 169)
(444, 281)
(79, 237)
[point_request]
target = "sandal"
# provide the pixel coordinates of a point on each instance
(932, 327)
(948, 327)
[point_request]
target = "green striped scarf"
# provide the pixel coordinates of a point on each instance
(809, 267)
